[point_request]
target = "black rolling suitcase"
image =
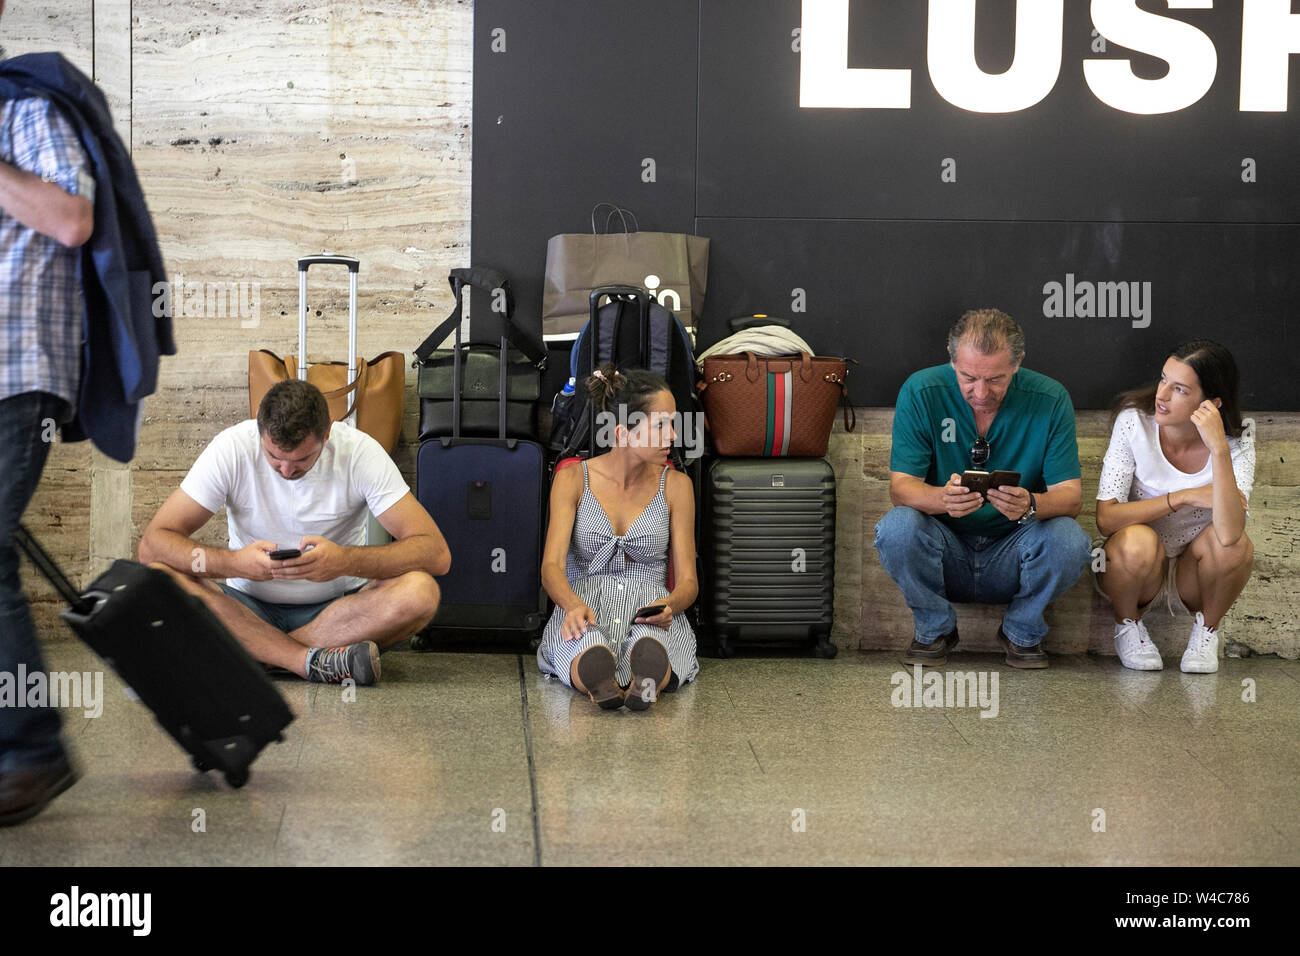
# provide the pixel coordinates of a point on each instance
(769, 553)
(177, 658)
(488, 497)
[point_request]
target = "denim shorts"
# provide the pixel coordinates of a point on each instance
(285, 617)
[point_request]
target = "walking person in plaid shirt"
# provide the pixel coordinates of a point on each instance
(46, 215)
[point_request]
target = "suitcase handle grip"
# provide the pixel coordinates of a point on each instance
(628, 291)
(79, 603)
(307, 262)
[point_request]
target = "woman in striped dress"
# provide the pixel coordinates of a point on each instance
(606, 557)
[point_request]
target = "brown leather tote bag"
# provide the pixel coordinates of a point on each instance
(773, 407)
(378, 391)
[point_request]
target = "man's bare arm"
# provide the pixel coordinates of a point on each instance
(913, 492)
(1065, 498)
(418, 546)
(46, 207)
(167, 540)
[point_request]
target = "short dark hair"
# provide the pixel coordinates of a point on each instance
(290, 411)
(987, 331)
(1216, 370)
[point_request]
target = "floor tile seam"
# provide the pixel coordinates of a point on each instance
(278, 828)
(302, 749)
(1287, 672)
(532, 767)
(755, 753)
(955, 729)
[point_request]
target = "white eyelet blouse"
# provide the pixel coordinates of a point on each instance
(1135, 468)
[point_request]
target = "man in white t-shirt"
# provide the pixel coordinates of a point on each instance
(294, 481)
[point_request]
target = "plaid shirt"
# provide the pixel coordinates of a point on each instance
(41, 301)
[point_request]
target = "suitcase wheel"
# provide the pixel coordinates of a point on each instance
(200, 765)
(825, 649)
(237, 778)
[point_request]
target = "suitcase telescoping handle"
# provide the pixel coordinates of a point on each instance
(53, 573)
(354, 265)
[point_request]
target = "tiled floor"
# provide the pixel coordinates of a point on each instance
(476, 759)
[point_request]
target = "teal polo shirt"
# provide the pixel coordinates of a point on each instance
(1032, 433)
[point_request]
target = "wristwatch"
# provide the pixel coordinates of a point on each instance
(1028, 516)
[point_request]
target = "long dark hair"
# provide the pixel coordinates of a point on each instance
(1215, 369)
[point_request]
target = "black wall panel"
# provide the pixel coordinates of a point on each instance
(582, 93)
(849, 205)
(886, 293)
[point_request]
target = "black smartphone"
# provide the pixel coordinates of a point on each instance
(982, 481)
(284, 554)
(651, 611)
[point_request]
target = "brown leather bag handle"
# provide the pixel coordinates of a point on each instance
(358, 382)
(363, 371)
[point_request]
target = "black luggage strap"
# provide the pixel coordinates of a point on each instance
(489, 280)
(53, 573)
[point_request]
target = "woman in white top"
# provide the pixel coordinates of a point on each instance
(1172, 502)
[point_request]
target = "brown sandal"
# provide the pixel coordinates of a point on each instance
(649, 662)
(596, 666)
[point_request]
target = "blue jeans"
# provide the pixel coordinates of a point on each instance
(28, 735)
(933, 566)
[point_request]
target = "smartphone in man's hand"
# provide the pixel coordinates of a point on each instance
(982, 481)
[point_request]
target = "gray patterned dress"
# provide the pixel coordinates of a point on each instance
(615, 575)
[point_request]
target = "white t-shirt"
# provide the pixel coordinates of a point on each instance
(352, 475)
(1135, 468)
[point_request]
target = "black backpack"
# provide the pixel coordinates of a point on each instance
(634, 331)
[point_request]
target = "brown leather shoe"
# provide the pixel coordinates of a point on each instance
(933, 654)
(27, 791)
(596, 666)
(650, 665)
(1026, 658)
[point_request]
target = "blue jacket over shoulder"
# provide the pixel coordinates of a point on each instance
(119, 265)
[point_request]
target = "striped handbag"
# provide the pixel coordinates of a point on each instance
(773, 407)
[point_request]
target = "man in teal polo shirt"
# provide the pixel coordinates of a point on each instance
(942, 542)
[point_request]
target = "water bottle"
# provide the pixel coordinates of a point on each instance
(561, 423)
(562, 399)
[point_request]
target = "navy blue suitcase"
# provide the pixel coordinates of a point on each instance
(488, 497)
(179, 660)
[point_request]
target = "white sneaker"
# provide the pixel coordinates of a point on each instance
(1202, 654)
(1134, 647)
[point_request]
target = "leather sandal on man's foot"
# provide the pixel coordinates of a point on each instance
(649, 662)
(595, 668)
